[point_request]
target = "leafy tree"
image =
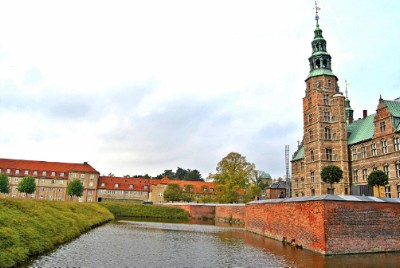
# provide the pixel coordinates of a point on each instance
(169, 174)
(378, 178)
(27, 185)
(75, 188)
(331, 174)
(4, 184)
(232, 178)
(172, 193)
(180, 173)
(193, 175)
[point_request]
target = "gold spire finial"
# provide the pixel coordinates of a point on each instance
(317, 8)
(346, 84)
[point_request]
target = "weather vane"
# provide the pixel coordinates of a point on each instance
(317, 8)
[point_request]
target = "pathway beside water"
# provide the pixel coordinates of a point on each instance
(155, 244)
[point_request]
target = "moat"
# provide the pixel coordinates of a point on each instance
(156, 244)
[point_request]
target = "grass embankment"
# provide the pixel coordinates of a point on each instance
(31, 227)
(123, 209)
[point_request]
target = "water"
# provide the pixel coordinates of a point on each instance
(155, 244)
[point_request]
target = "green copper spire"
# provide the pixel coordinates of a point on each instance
(349, 110)
(320, 60)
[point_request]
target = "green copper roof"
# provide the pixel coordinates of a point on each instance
(393, 107)
(361, 130)
(317, 72)
(299, 154)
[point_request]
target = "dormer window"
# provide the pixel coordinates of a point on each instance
(17, 171)
(61, 174)
(8, 171)
(26, 172)
(53, 173)
(35, 173)
(130, 186)
(116, 185)
(44, 173)
(382, 126)
(103, 184)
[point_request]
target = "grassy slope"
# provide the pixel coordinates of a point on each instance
(123, 209)
(30, 227)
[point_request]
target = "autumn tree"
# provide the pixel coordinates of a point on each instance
(75, 188)
(4, 184)
(378, 178)
(233, 178)
(27, 185)
(331, 174)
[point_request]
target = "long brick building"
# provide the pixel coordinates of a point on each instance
(332, 137)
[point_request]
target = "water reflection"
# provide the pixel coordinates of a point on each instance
(155, 244)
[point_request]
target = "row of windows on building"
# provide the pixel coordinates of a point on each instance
(50, 181)
(326, 117)
(120, 192)
(373, 149)
(327, 134)
(365, 173)
(45, 173)
(131, 186)
(328, 155)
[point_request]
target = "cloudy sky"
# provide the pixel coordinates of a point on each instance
(136, 87)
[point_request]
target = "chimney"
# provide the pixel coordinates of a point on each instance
(85, 163)
(365, 114)
(351, 119)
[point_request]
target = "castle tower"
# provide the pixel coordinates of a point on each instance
(324, 113)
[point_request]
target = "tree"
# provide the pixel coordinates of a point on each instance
(27, 185)
(172, 193)
(4, 184)
(232, 178)
(331, 174)
(75, 188)
(193, 175)
(378, 178)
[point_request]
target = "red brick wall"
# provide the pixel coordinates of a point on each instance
(354, 227)
(301, 221)
(329, 227)
(230, 213)
(197, 211)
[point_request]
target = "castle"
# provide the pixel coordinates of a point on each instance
(331, 136)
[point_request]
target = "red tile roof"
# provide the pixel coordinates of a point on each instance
(124, 183)
(32, 165)
(197, 185)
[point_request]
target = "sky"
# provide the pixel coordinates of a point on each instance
(139, 87)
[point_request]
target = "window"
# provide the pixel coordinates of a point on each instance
(44, 173)
(355, 175)
(82, 176)
(59, 190)
(365, 174)
(61, 174)
(130, 186)
(91, 176)
(331, 191)
(302, 182)
(53, 173)
(74, 175)
(313, 192)
(43, 180)
(354, 153)
(325, 98)
(396, 144)
(17, 171)
(59, 198)
(8, 171)
(312, 155)
(327, 116)
(374, 168)
(311, 134)
(90, 199)
(103, 184)
(373, 149)
(116, 185)
(312, 176)
(26, 172)
(329, 83)
(398, 191)
(388, 193)
(398, 169)
(328, 152)
(61, 182)
(363, 151)
(35, 173)
(42, 189)
(310, 118)
(91, 183)
(146, 187)
(386, 170)
(382, 126)
(297, 183)
(51, 190)
(15, 179)
(309, 102)
(52, 181)
(90, 192)
(1, 170)
(384, 147)
(327, 133)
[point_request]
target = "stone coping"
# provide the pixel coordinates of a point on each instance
(210, 205)
(329, 197)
